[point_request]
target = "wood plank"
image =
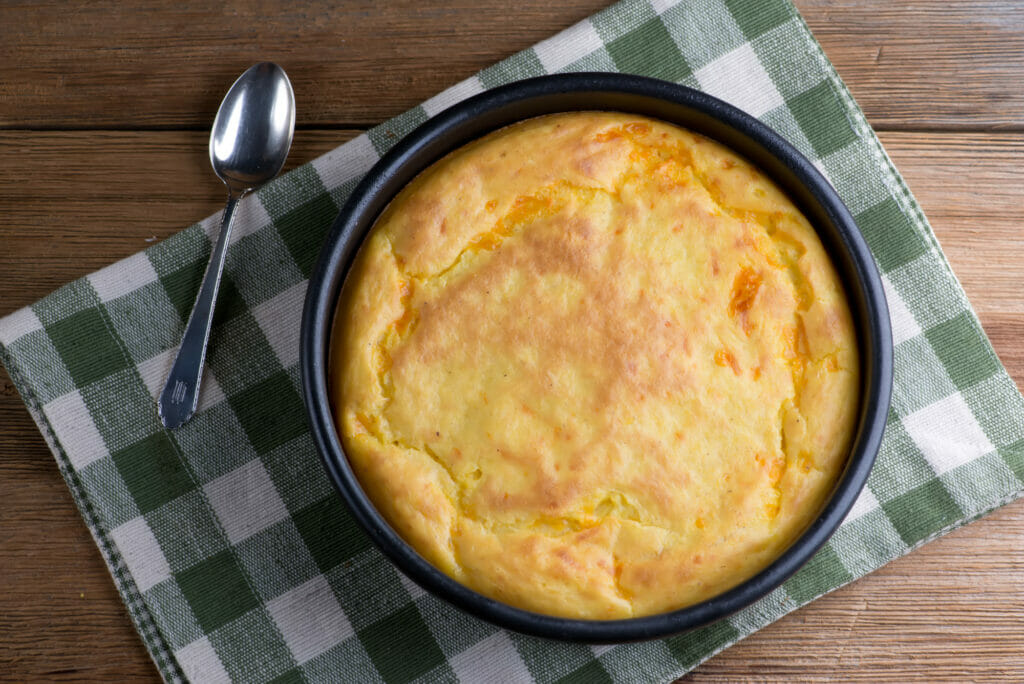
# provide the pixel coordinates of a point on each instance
(167, 65)
(61, 618)
(72, 202)
(927, 64)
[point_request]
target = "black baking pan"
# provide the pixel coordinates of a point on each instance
(676, 104)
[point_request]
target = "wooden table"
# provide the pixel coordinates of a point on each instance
(104, 113)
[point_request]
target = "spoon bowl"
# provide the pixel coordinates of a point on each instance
(253, 130)
(249, 143)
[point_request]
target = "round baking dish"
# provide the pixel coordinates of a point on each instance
(686, 107)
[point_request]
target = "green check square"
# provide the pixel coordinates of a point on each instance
(190, 512)
(190, 246)
(692, 647)
(824, 572)
(216, 590)
(687, 22)
(38, 359)
(349, 657)
(961, 346)
(330, 533)
(997, 405)
(822, 118)
(153, 472)
(292, 676)
(341, 193)
(649, 50)
(519, 66)
(151, 304)
(791, 77)
(270, 411)
(214, 443)
(110, 497)
(900, 465)
(591, 673)
(1013, 456)
(367, 588)
(643, 661)
(122, 409)
(918, 376)
(290, 191)
(240, 355)
(621, 18)
(390, 132)
(547, 664)
(975, 484)
(454, 630)
(598, 60)
(303, 229)
(182, 285)
(759, 17)
(87, 346)
(297, 473)
(927, 288)
(76, 296)
(785, 124)
(251, 649)
(922, 511)
(893, 241)
(166, 599)
(262, 267)
(401, 646)
(852, 172)
(276, 559)
(230, 303)
(868, 542)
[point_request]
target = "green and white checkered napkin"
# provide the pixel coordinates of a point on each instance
(234, 555)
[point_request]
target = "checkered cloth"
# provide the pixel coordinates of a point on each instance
(236, 558)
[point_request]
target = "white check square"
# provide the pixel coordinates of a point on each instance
(154, 370)
(864, 504)
(279, 318)
(947, 433)
(495, 659)
(18, 324)
(738, 78)
(250, 217)
(73, 424)
(122, 277)
(141, 553)
(569, 46)
(453, 95)
(200, 663)
(310, 619)
(245, 501)
(344, 163)
(904, 326)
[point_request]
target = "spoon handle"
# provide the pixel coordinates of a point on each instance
(180, 395)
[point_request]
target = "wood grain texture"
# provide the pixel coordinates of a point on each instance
(358, 61)
(72, 201)
(951, 610)
(933, 64)
(154, 64)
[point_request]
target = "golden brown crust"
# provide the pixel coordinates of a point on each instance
(595, 365)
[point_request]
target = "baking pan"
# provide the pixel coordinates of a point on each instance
(673, 103)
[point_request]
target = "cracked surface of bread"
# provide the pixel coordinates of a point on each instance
(595, 365)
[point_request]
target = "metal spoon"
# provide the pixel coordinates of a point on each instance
(248, 145)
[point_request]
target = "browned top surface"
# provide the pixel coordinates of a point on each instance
(89, 95)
